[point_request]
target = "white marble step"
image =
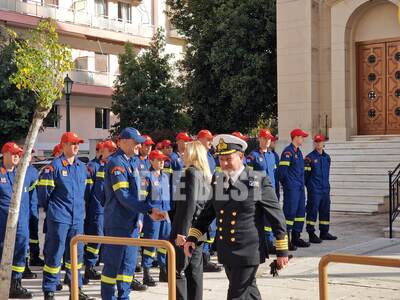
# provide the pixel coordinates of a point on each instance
(365, 145)
(367, 152)
(393, 158)
(371, 164)
(370, 170)
(375, 138)
(358, 192)
(363, 200)
(357, 208)
(359, 185)
(359, 177)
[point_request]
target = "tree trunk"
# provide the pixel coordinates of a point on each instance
(13, 212)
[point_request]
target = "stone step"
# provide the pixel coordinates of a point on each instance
(359, 185)
(396, 229)
(375, 138)
(394, 159)
(363, 200)
(371, 164)
(358, 192)
(359, 177)
(367, 152)
(376, 170)
(366, 145)
(356, 208)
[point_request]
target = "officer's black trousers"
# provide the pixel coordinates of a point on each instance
(242, 283)
(189, 279)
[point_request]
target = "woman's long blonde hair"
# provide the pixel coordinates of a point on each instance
(196, 155)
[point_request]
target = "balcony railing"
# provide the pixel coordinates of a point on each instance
(93, 78)
(77, 17)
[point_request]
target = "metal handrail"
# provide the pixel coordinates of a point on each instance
(394, 197)
(349, 259)
(110, 240)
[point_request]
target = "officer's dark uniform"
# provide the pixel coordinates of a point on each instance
(61, 191)
(317, 168)
(240, 224)
(121, 212)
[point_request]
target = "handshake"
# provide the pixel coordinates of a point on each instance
(158, 215)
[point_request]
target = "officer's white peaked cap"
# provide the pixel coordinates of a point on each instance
(227, 144)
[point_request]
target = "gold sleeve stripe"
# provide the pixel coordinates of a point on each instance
(195, 232)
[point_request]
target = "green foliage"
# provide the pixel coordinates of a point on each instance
(146, 96)
(229, 69)
(41, 64)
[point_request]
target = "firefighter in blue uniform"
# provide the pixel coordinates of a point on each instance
(205, 137)
(291, 176)
(157, 191)
(11, 156)
(121, 213)
(61, 192)
(34, 249)
(317, 167)
(262, 159)
(95, 212)
(276, 155)
(90, 225)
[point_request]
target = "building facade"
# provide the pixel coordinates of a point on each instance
(96, 31)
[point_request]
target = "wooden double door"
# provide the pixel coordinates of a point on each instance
(378, 88)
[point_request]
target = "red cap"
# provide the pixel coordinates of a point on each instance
(159, 146)
(184, 136)
(298, 132)
(166, 144)
(57, 150)
(110, 145)
(157, 154)
(240, 135)
(319, 138)
(274, 138)
(265, 133)
(149, 140)
(70, 137)
(204, 133)
(99, 146)
(11, 147)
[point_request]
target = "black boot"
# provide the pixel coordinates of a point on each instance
(90, 274)
(136, 285)
(36, 261)
(292, 247)
(314, 238)
(82, 296)
(209, 266)
(327, 236)
(59, 286)
(18, 291)
(147, 279)
(163, 277)
(49, 296)
(28, 274)
(138, 269)
(297, 241)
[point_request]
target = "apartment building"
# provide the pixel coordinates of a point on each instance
(96, 31)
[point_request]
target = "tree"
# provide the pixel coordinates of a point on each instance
(229, 68)
(146, 94)
(41, 63)
(16, 105)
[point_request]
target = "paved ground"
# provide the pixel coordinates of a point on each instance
(358, 234)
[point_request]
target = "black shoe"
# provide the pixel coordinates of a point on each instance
(82, 296)
(66, 281)
(91, 274)
(154, 264)
(28, 274)
(327, 236)
(147, 279)
(314, 238)
(138, 269)
(36, 261)
(59, 286)
(48, 295)
(18, 291)
(291, 246)
(208, 266)
(297, 241)
(163, 277)
(137, 286)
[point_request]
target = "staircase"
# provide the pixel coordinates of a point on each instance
(359, 173)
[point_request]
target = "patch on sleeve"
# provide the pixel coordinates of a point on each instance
(117, 170)
(48, 169)
(307, 159)
(287, 154)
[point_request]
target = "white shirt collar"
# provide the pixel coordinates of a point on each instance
(235, 175)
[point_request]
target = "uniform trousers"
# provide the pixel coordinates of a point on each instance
(242, 283)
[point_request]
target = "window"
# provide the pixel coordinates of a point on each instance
(101, 62)
(52, 119)
(125, 12)
(81, 63)
(102, 118)
(100, 8)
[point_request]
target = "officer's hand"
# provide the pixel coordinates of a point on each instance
(282, 262)
(140, 226)
(188, 248)
(180, 240)
(158, 215)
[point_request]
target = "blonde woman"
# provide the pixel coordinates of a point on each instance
(190, 202)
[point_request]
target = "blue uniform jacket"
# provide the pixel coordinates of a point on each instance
(61, 190)
(33, 199)
(122, 190)
(316, 169)
(142, 164)
(276, 172)
(291, 168)
(211, 162)
(6, 185)
(263, 161)
(97, 194)
(158, 190)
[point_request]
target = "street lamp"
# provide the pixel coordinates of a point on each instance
(68, 82)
